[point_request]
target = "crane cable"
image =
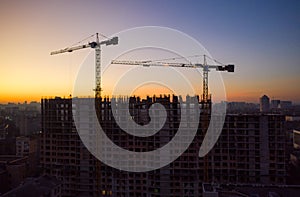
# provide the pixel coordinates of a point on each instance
(216, 61)
(175, 58)
(91, 36)
(76, 43)
(186, 57)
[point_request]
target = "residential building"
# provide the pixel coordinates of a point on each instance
(63, 155)
(275, 104)
(251, 149)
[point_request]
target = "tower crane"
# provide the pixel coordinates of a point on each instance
(205, 99)
(97, 46)
(206, 68)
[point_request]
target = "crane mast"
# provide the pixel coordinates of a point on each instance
(98, 69)
(205, 81)
(97, 46)
(206, 111)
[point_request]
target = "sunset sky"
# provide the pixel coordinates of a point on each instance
(260, 37)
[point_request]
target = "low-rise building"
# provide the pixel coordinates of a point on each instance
(44, 186)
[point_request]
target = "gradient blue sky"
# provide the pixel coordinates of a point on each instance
(260, 37)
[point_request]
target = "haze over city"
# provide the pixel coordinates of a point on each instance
(260, 38)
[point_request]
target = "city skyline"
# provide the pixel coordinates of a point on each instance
(260, 38)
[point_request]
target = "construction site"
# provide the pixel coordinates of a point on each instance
(250, 149)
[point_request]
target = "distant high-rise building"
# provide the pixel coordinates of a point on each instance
(275, 104)
(3, 131)
(285, 104)
(242, 107)
(264, 102)
(29, 147)
(22, 146)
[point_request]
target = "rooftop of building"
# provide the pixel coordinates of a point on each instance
(10, 159)
(272, 191)
(34, 187)
(259, 190)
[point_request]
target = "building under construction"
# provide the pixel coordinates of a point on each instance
(250, 150)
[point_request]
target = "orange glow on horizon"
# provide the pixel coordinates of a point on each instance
(143, 94)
